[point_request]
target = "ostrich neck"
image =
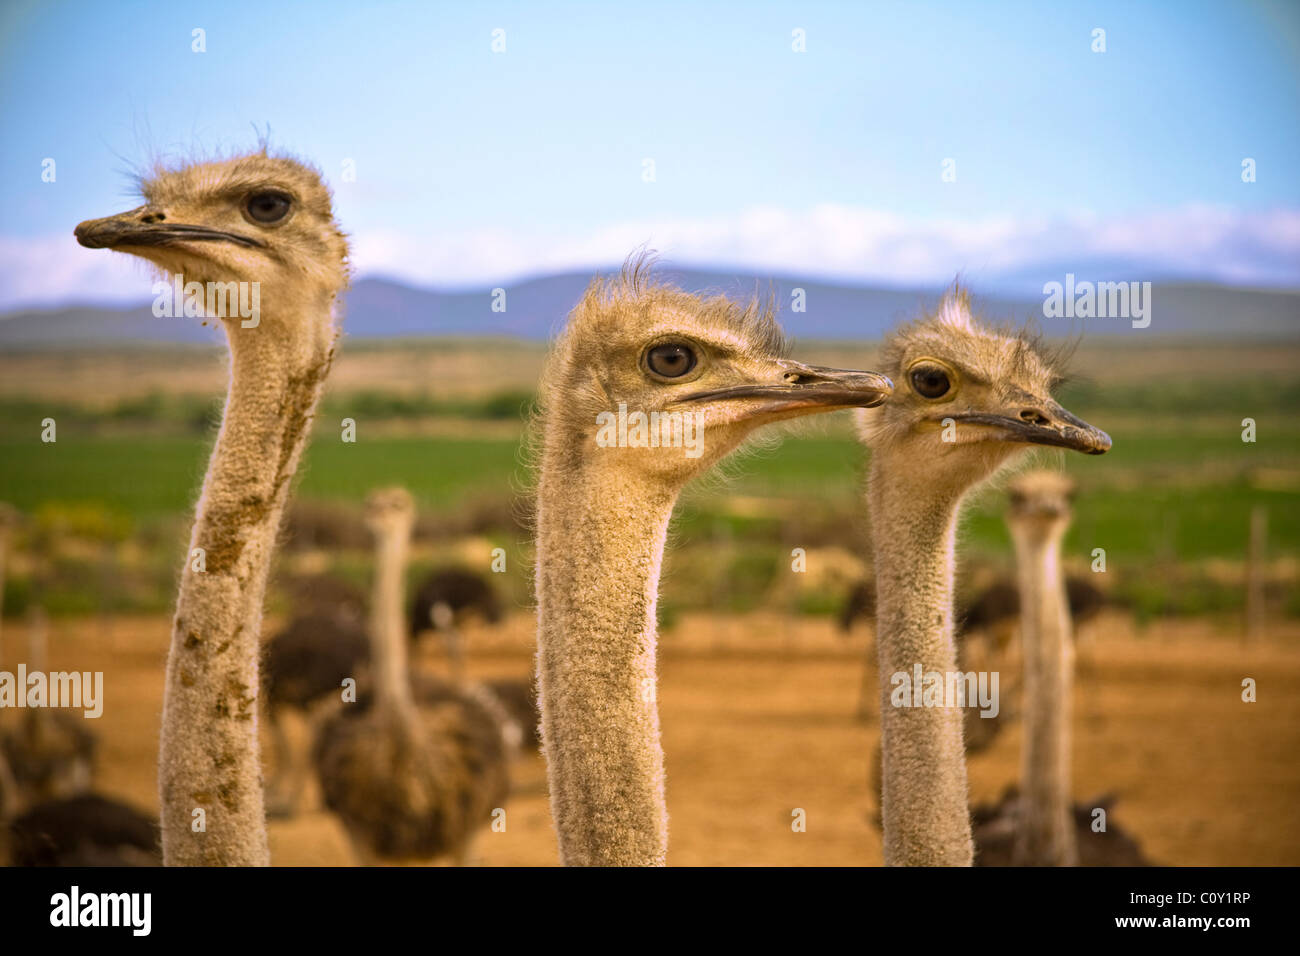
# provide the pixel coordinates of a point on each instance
(1046, 834)
(209, 756)
(600, 545)
(923, 804)
(387, 637)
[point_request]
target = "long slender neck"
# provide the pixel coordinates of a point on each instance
(1046, 836)
(600, 544)
(387, 636)
(923, 804)
(209, 759)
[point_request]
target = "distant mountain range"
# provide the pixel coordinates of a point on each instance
(380, 308)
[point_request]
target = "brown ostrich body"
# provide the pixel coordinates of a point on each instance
(412, 773)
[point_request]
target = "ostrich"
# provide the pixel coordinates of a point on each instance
(87, 829)
(860, 604)
(995, 612)
(50, 754)
(47, 815)
(996, 827)
(327, 594)
(305, 664)
(998, 605)
(264, 223)
(979, 731)
(970, 398)
(518, 706)
(994, 606)
(1039, 825)
(446, 597)
(1039, 517)
(710, 371)
(413, 775)
(307, 661)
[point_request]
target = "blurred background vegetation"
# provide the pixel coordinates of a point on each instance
(107, 504)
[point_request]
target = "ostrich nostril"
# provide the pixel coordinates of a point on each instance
(153, 216)
(1034, 417)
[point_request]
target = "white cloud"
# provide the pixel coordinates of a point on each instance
(54, 270)
(861, 244)
(833, 241)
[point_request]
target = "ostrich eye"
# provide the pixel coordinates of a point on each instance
(267, 207)
(930, 381)
(670, 360)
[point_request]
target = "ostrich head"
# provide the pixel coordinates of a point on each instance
(1040, 504)
(708, 367)
(968, 398)
(389, 511)
(255, 218)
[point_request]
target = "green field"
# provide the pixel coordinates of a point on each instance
(1197, 486)
(1170, 504)
(152, 476)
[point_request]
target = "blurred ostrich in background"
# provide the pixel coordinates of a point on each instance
(412, 775)
(443, 602)
(48, 816)
(305, 666)
(1039, 825)
(50, 753)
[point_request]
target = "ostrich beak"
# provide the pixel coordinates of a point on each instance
(146, 226)
(1042, 422)
(797, 389)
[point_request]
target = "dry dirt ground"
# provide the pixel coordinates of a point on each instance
(759, 719)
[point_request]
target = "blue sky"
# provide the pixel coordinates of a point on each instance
(475, 166)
